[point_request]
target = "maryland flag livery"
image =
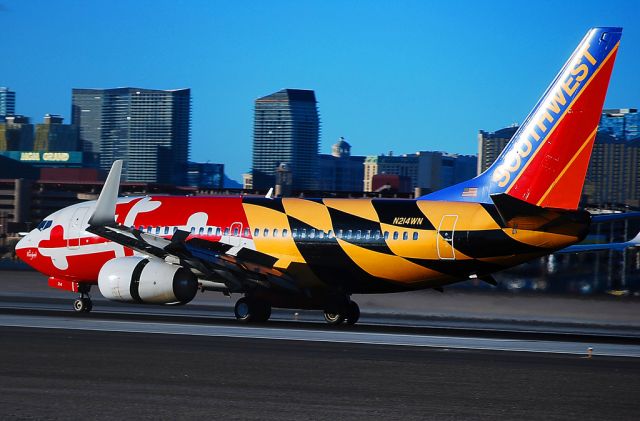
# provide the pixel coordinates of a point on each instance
(315, 253)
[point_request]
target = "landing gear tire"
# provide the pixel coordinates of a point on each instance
(83, 305)
(248, 311)
(353, 313)
(348, 314)
(334, 318)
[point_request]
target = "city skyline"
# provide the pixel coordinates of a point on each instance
(407, 77)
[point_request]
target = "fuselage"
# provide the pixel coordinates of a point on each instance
(354, 245)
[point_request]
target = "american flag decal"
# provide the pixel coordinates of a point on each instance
(470, 192)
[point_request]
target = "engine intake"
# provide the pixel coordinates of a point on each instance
(140, 280)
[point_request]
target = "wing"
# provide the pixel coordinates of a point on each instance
(238, 268)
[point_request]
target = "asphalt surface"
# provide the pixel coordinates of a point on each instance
(195, 361)
(59, 374)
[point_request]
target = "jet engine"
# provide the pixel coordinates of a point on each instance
(142, 280)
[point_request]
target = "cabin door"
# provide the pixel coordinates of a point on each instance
(444, 241)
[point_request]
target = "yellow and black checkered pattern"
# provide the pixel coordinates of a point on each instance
(428, 243)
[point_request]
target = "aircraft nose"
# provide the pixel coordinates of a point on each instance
(25, 249)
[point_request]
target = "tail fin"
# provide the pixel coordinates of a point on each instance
(546, 161)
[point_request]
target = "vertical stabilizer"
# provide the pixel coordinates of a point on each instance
(546, 161)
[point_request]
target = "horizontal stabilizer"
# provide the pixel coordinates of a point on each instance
(510, 208)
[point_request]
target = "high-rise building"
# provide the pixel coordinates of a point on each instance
(149, 129)
(54, 136)
(7, 102)
(286, 131)
(623, 123)
(426, 170)
(491, 144)
(613, 175)
(340, 171)
(16, 134)
(205, 175)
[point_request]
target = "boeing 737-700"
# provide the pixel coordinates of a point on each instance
(316, 253)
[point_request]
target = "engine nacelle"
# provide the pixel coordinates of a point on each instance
(139, 280)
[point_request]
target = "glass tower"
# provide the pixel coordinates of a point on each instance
(623, 123)
(286, 131)
(7, 102)
(149, 129)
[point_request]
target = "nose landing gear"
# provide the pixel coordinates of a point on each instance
(84, 303)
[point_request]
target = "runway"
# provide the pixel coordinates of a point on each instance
(143, 362)
(56, 374)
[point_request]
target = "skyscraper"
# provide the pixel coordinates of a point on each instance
(7, 102)
(53, 135)
(286, 131)
(613, 175)
(340, 171)
(16, 134)
(623, 123)
(147, 128)
(491, 144)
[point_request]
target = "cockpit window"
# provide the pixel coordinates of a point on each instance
(44, 225)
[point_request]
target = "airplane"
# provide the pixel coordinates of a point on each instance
(315, 253)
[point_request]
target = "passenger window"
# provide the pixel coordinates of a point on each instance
(405, 236)
(386, 235)
(321, 234)
(218, 231)
(294, 233)
(201, 231)
(166, 230)
(340, 234)
(175, 229)
(246, 232)
(312, 233)
(358, 234)
(256, 232)
(330, 234)
(395, 235)
(303, 233)
(275, 232)
(149, 228)
(368, 235)
(349, 234)
(141, 228)
(415, 235)
(193, 229)
(226, 231)
(284, 232)
(209, 231)
(235, 232)
(157, 230)
(376, 235)
(265, 232)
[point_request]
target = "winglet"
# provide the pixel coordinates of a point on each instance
(105, 213)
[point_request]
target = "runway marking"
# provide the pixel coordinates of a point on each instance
(335, 336)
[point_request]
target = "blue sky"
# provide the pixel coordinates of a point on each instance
(388, 75)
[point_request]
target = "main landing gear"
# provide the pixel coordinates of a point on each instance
(255, 310)
(348, 313)
(252, 310)
(84, 303)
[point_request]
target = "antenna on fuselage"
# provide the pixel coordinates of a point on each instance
(105, 212)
